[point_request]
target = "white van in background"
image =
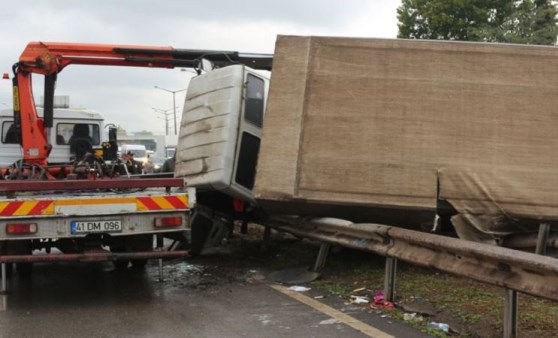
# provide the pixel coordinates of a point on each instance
(139, 151)
(60, 134)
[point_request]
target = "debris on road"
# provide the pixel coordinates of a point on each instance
(298, 288)
(380, 302)
(330, 321)
(412, 317)
(440, 326)
(360, 300)
(420, 306)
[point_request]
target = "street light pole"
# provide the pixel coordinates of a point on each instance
(166, 117)
(173, 92)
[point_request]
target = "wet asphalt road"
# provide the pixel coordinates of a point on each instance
(94, 300)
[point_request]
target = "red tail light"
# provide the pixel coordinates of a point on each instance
(21, 228)
(168, 222)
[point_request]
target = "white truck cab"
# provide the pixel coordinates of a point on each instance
(221, 129)
(65, 121)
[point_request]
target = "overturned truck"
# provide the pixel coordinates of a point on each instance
(419, 134)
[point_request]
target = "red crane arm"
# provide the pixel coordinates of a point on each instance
(49, 59)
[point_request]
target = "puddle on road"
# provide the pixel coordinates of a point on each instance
(194, 276)
(182, 274)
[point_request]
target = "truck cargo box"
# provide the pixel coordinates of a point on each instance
(376, 130)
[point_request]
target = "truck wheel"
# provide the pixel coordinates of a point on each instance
(139, 264)
(9, 266)
(24, 270)
(120, 264)
(140, 243)
(201, 227)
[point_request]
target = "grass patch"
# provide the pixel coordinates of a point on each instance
(470, 308)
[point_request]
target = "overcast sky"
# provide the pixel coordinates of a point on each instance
(126, 96)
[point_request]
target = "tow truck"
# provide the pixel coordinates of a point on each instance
(92, 208)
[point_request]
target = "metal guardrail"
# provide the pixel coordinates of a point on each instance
(525, 272)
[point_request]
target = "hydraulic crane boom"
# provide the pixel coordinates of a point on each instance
(50, 58)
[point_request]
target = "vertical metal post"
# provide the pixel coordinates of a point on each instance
(322, 256)
(160, 248)
(511, 300)
(389, 282)
(266, 239)
(4, 279)
(510, 314)
(542, 239)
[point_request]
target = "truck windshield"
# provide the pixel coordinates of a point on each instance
(64, 131)
(138, 152)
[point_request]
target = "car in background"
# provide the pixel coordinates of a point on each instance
(138, 150)
(158, 162)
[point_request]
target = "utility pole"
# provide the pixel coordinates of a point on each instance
(165, 113)
(173, 92)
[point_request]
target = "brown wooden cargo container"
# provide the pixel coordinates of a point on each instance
(371, 130)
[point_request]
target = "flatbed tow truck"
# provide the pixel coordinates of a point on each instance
(93, 208)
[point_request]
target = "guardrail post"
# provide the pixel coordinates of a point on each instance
(4, 279)
(389, 282)
(510, 314)
(322, 257)
(511, 302)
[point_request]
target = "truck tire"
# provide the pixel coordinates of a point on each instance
(201, 227)
(139, 264)
(24, 270)
(140, 243)
(9, 266)
(119, 265)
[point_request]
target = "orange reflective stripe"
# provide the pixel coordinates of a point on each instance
(162, 202)
(26, 208)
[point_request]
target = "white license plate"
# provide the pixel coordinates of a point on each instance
(87, 227)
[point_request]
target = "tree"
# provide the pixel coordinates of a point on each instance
(520, 21)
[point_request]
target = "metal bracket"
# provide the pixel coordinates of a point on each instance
(322, 257)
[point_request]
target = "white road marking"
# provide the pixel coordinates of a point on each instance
(333, 313)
